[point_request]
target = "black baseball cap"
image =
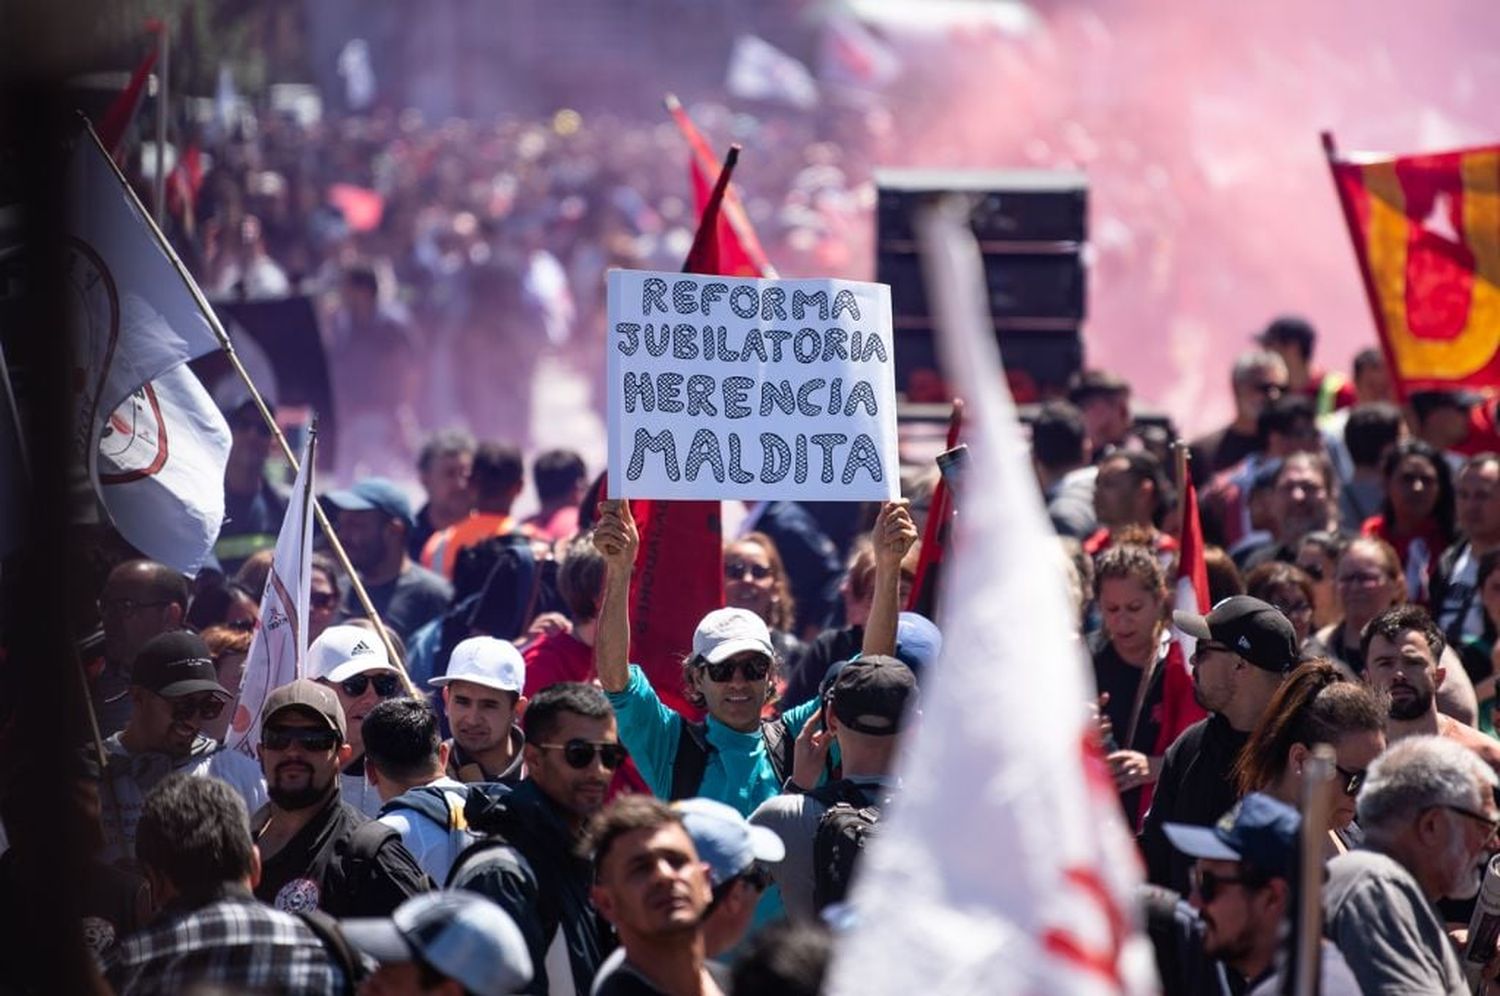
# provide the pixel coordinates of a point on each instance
(176, 663)
(1255, 630)
(870, 694)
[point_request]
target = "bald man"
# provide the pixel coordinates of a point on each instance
(141, 599)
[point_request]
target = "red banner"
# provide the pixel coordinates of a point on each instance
(1426, 229)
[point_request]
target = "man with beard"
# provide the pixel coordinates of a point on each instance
(1455, 581)
(374, 519)
(174, 690)
(1245, 648)
(1244, 880)
(1429, 816)
(1402, 648)
(316, 851)
(1303, 500)
(650, 883)
(482, 697)
(529, 866)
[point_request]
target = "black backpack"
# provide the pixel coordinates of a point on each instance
(339, 950)
(845, 828)
(693, 748)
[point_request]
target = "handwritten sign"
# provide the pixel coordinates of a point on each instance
(723, 387)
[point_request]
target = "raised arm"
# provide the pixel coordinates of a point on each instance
(893, 536)
(616, 538)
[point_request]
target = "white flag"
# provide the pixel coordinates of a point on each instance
(1004, 865)
(133, 317)
(160, 469)
(279, 645)
(759, 70)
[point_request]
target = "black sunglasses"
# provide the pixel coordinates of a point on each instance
(202, 706)
(310, 738)
(323, 599)
(1207, 884)
(386, 685)
(580, 753)
(753, 670)
(736, 569)
(1352, 779)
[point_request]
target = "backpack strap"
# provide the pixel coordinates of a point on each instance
(332, 936)
(690, 761)
(778, 749)
(364, 844)
(843, 790)
(468, 854)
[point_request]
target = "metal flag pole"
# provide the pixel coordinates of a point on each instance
(265, 413)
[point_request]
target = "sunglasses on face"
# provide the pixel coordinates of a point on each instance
(580, 753)
(753, 670)
(204, 707)
(241, 625)
(1208, 884)
(1352, 780)
(125, 606)
(734, 570)
(386, 685)
(309, 738)
(1206, 647)
(323, 599)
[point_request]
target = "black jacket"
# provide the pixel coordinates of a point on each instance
(1195, 787)
(529, 869)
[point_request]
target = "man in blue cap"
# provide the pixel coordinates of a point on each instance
(374, 518)
(1244, 884)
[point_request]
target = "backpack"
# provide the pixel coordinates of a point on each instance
(843, 831)
(339, 950)
(693, 748)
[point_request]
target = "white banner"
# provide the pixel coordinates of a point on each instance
(279, 645)
(735, 388)
(160, 469)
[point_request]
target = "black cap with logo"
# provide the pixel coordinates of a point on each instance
(176, 663)
(1251, 628)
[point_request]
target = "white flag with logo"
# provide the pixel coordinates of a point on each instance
(159, 469)
(1004, 864)
(279, 645)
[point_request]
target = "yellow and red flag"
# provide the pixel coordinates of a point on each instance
(1426, 229)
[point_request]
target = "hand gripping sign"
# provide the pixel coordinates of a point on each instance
(725, 387)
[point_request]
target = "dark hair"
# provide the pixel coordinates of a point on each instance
(1330, 542)
(580, 577)
(783, 613)
(1316, 704)
(252, 574)
(1058, 436)
(1396, 620)
(626, 814)
(541, 719)
(195, 832)
(444, 442)
(1087, 385)
(1367, 358)
(330, 568)
(1143, 465)
(1281, 415)
(211, 606)
(784, 959)
(402, 738)
(1263, 580)
(1224, 578)
(362, 275)
(1133, 561)
(497, 469)
(1293, 329)
(1443, 510)
(556, 473)
(1371, 428)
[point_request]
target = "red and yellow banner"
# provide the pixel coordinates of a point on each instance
(1427, 232)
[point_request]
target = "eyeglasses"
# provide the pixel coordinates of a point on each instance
(734, 570)
(309, 738)
(754, 669)
(1207, 884)
(323, 599)
(386, 685)
(203, 706)
(1491, 823)
(1352, 779)
(1206, 647)
(1361, 580)
(125, 606)
(580, 753)
(241, 625)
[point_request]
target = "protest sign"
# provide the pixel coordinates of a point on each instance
(723, 387)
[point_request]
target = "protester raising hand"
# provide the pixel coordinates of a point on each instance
(893, 537)
(810, 752)
(615, 535)
(616, 538)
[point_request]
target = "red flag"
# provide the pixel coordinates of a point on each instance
(679, 572)
(183, 184)
(1426, 229)
(740, 252)
(939, 511)
(117, 117)
(1180, 709)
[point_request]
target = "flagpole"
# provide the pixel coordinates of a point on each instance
(159, 181)
(265, 412)
(1317, 779)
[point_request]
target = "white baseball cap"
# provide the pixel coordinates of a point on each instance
(726, 632)
(485, 661)
(463, 935)
(344, 651)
